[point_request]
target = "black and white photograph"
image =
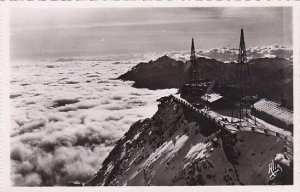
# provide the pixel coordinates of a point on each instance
(151, 96)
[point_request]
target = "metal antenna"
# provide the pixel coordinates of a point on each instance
(193, 71)
(243, 77)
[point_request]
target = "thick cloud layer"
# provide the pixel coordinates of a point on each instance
(66, 117)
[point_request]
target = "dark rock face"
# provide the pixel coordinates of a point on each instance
(271, 77)
(175, 147)
(162, 73)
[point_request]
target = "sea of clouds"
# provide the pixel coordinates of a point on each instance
(67, 116)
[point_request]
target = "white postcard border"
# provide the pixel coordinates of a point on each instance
(5, 184)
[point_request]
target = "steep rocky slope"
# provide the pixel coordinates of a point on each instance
(176, 147)
(271, 77)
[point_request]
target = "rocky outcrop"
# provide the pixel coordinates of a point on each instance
(175, 147)
(162, 73)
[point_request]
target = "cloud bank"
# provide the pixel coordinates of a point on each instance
(67, 116)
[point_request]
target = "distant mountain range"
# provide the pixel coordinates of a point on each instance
(271, 77)
(222, 54)
(230, 55)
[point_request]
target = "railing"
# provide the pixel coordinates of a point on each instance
(222, 123)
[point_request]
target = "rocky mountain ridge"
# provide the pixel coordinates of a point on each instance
(175, 147)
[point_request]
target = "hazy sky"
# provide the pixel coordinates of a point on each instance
(53, 33)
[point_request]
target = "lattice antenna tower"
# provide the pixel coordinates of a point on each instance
(243, 77)
(193, 71)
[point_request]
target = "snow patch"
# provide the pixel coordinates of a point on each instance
(197, 151)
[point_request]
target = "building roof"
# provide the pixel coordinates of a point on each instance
(211, 97)
(274, 109)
